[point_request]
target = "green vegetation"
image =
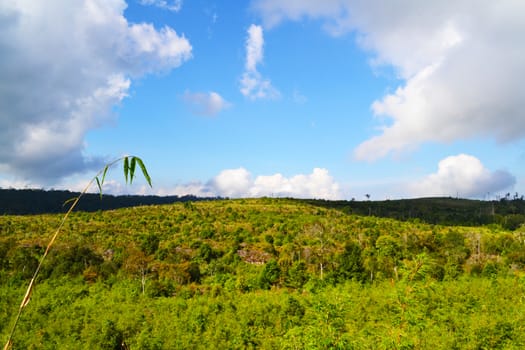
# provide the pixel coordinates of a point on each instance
(260, 273)
(508, 211)
(129, 163)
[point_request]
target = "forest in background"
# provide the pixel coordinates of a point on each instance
(262, 273)
(508, 211)
(38, 201)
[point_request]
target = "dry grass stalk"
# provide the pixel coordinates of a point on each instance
(129, 169)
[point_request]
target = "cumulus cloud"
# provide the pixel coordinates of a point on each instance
(239, 183)
(231, 183)
(463, 175)
(460, 63)
(253, 84)
(64, 66)
(274, 12)
(318, 184)
(208, 104)
(174, 5)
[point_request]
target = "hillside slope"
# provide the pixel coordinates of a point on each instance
(260, 273)
(508, 212)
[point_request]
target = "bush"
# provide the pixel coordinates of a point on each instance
(350, 264)
(269, 275)
(296, 275)
(149, 243)
(71, 261)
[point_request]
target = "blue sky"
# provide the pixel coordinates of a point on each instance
(333, 99)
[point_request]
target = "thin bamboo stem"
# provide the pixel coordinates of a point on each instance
(30, 287)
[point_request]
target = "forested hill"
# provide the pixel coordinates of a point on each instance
(34, 201)
(507, 212)
(265, 273)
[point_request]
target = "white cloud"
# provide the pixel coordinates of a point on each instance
(232, 183)
(193, 188)
(276, 11)
(239, 183)
(318, 184)
(174, 5)
(253, 85)
(254, 47)
(64, 65)
(463, 175)
(208, 104)
(461, 64)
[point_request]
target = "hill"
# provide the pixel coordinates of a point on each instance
(507, 212)
(261, 273)
(37, 201)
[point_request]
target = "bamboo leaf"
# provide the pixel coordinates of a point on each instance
(126, 168)
(104, 174)
(129, 172)
(69, 201)
(132, 169)
(144, 171)
(99, 186)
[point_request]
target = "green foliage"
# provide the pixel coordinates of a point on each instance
(5, 247)
(269, 275)
(388, 255)
(206, 253)
(129, 163)
(350, 263)
(147, 278)
(81, 253)
(508, 213)
(23, 260)
(71, 261)
(108, 337)
(297, 275)
(149, 243)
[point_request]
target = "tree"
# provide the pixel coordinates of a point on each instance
(320, 234)
(269, 275)
(350, 263)
(72, 261)
(110, 338)
(206, 253)
(369, 208)
(149, 243)
(137, 264)
(296, 275)
(388, 254)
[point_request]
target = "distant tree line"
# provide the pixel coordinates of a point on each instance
(508, 211)
(38, 201)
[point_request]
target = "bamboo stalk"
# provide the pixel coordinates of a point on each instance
(30, 287)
